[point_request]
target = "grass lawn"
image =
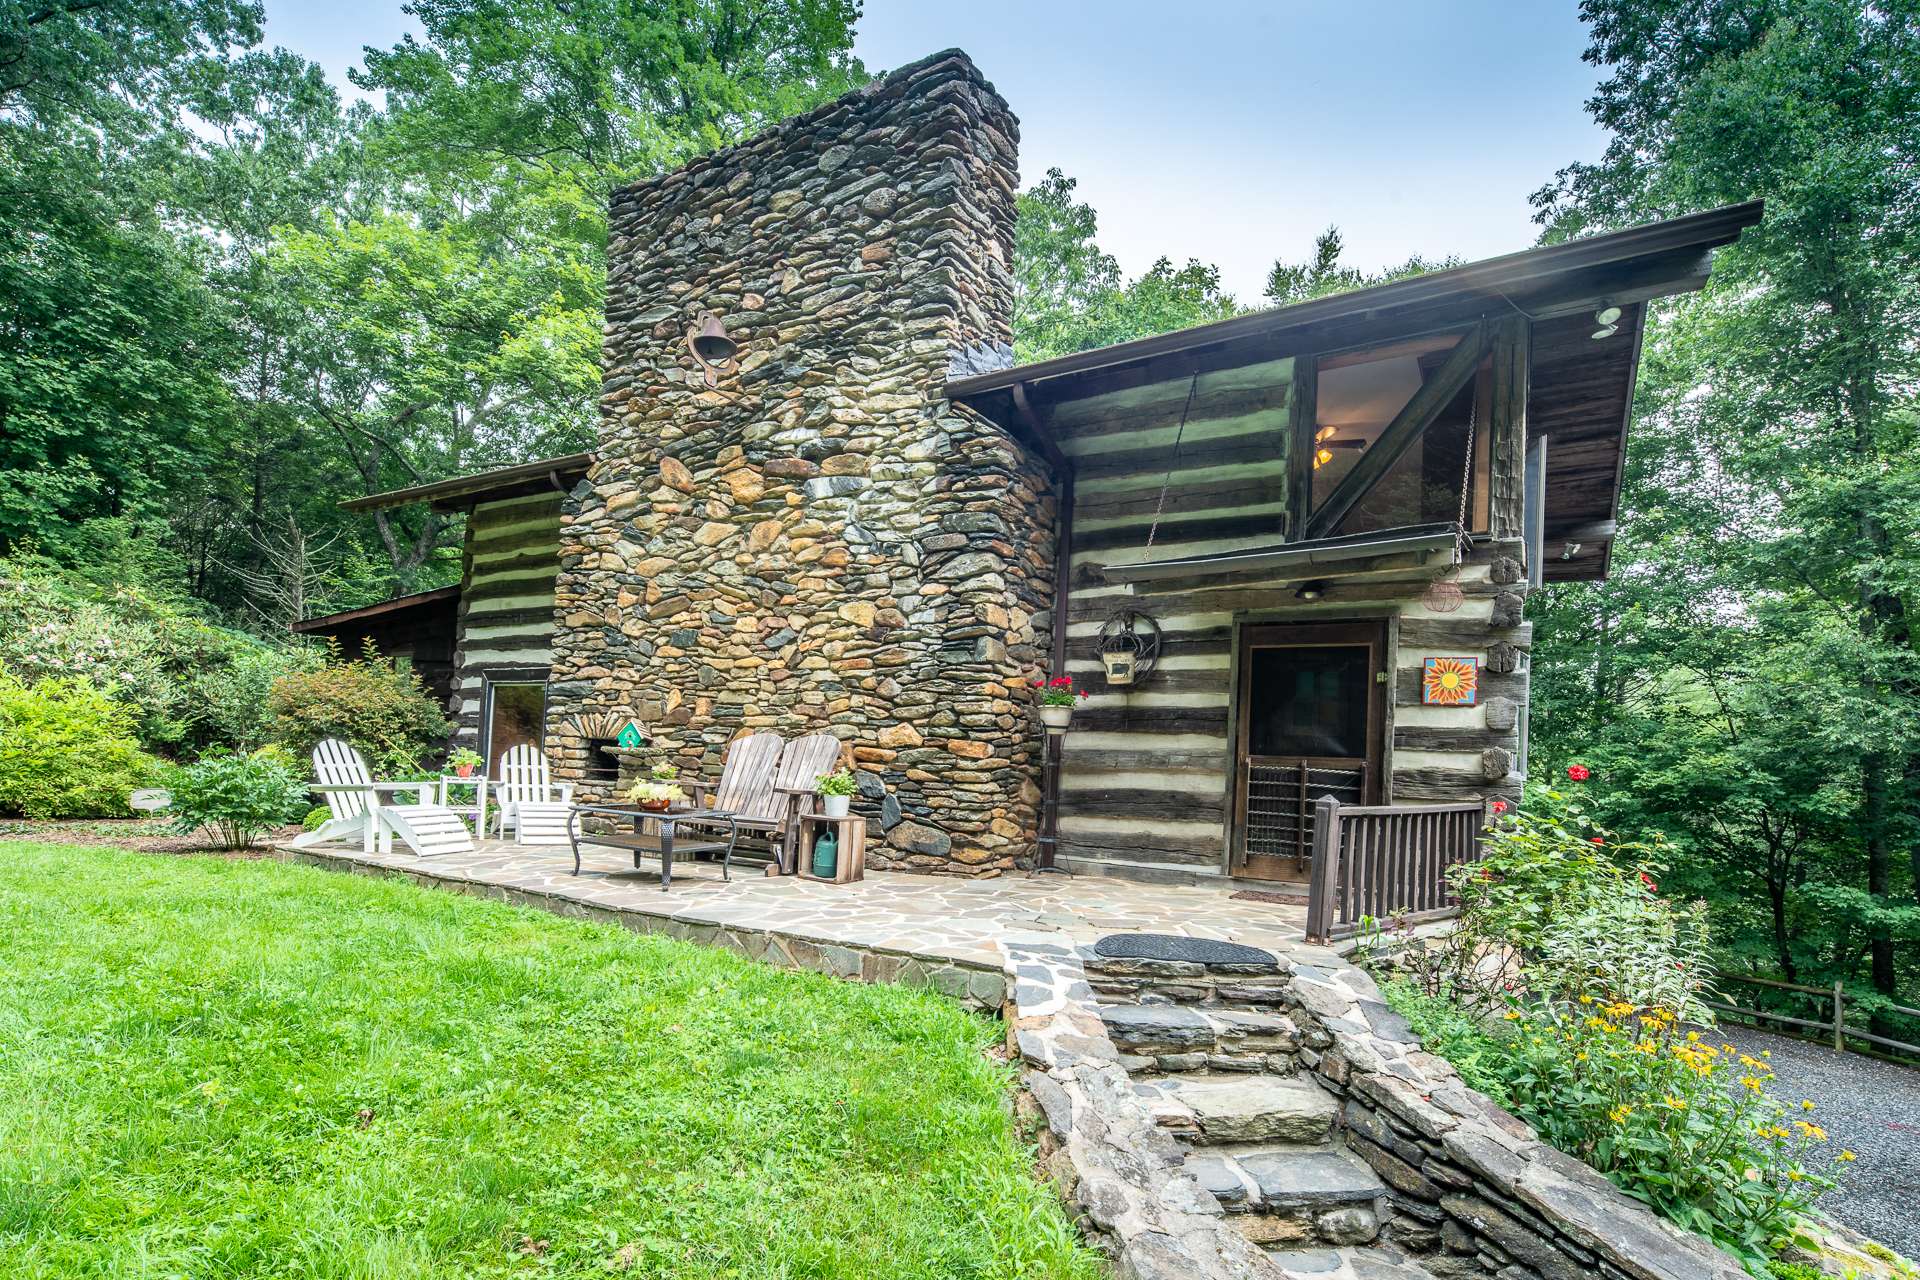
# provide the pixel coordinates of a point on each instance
(216, 1068)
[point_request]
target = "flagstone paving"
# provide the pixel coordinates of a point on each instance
(889, 926)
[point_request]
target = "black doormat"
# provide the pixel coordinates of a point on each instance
(1168, 946)
(1298, 899)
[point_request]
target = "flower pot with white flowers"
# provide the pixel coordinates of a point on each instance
(836, 792)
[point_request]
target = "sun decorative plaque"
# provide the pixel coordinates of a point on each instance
(1450, 682)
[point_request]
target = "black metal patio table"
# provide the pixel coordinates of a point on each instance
(660, 842)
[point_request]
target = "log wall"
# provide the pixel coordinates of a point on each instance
(1147, 770)
(506, 601)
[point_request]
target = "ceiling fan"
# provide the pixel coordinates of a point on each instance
(1324, 444)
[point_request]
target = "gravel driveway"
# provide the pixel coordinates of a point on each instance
(1869, 1107)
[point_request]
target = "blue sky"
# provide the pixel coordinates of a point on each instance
(1240, 131)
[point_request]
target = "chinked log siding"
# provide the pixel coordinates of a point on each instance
(1147, 771)
(506, 599)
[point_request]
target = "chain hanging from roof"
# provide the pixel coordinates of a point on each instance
(1444, 594)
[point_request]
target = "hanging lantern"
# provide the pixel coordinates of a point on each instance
(1443, 594)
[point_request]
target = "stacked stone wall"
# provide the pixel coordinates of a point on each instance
(821, 542)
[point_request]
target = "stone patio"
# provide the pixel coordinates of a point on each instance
(933, 930)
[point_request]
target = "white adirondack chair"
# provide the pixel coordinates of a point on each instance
(530, 801)
(360, 812)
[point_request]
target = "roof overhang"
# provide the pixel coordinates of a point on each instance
(1580, 394)
(385, 613)
(462, 492)
(1620, 267)
(1291, 561)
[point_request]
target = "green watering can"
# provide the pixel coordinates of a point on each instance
(826, 854)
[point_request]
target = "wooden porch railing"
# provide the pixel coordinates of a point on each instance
(1385, 860)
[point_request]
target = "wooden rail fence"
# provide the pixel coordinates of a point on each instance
(1385, 860)
(1835, 1027)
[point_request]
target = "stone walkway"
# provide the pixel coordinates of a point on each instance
(889, 926)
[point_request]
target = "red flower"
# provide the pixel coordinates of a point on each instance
(1085, 693)
(1499, 807)
(1579, 772)
(1037, 682)
(1057, 681)
(1647, 880)
(1595, 840)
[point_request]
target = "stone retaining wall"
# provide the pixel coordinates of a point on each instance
(822, 542)
(1472, 1187)
(1472, 1191)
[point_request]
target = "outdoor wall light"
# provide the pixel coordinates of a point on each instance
(1607, 320)
(1310, 591)
(712, 347)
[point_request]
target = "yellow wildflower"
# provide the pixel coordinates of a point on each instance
(1806, 1104)
(1845, 1157)
(1678, 1104)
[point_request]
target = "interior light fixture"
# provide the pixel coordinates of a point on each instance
(1606, 321)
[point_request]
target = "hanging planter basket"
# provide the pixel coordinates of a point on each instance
(1129, 646)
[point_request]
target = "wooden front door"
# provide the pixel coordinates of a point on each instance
(1311, 720)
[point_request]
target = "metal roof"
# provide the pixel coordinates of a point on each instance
(464, 491)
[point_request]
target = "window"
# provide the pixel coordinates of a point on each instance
(1359, 394)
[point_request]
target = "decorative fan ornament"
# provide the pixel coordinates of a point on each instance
(1129, 645)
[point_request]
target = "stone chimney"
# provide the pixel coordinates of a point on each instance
(821, 542)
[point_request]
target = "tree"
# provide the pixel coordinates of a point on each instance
(1783, 402)
(1322, 274)
(1069, 296)
(427, 349)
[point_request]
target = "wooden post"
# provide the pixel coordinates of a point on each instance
(1839, 1016)
(1325, 883)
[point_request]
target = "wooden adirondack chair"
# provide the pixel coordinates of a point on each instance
(530, 801)
(764, 784)
(359, 811)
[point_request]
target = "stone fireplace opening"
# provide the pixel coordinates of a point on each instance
(603, 760)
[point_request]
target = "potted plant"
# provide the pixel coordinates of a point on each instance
(657, 793)
(464, 762)
(835, 791)
(1058, 698)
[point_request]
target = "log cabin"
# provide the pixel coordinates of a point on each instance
(1285, 554)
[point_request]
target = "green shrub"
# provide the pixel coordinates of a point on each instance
(1453, 1033)
(316, 818)
(1565, 938)
(67, 750)
(235, 798)
(188, 683)
(370, 702)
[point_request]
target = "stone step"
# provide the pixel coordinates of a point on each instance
(1174, 1037)
(1367, 1262)
(1219, 1108)
(1293, 1194)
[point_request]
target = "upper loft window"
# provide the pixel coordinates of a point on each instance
(1359, 394)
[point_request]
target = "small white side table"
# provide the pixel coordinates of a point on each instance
(477, 810)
